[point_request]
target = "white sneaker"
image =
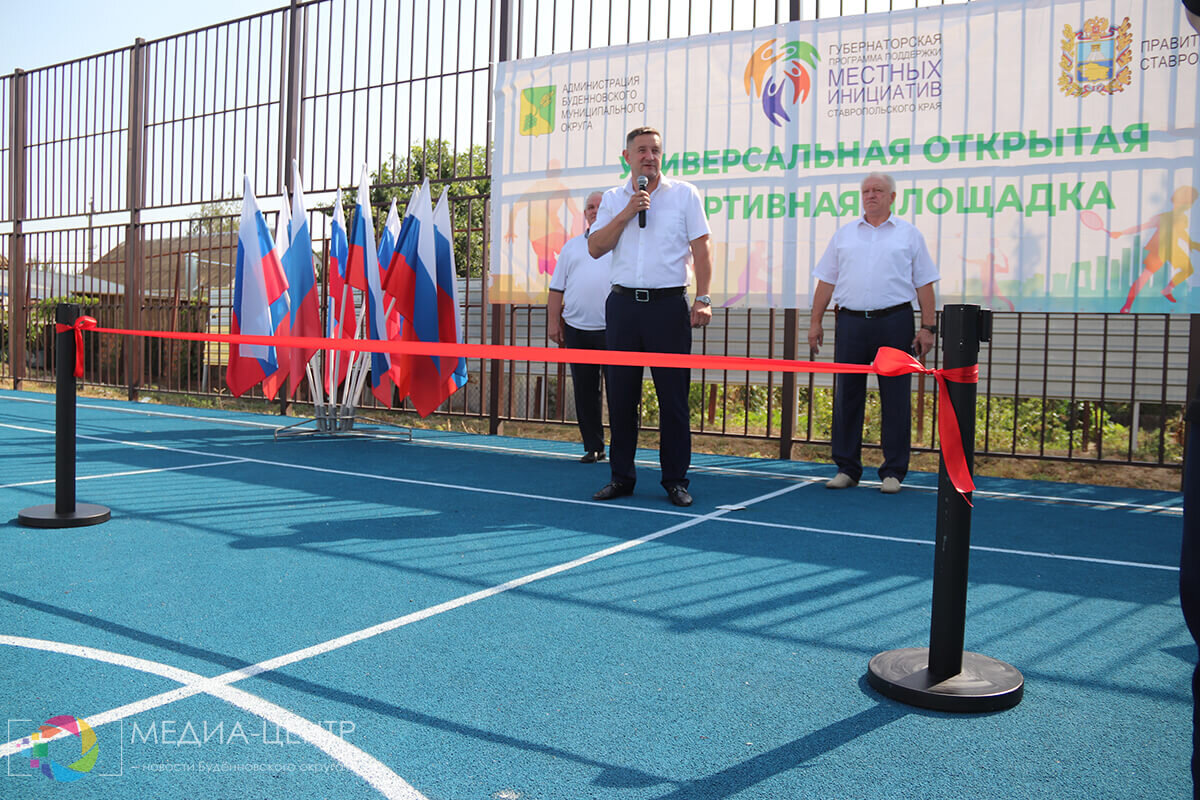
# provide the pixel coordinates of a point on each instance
(841, 481)
(890, 485)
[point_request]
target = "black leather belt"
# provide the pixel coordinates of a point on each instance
(646, 295)
(879, 312)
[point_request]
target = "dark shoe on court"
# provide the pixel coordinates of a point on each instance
(613, 490)
(679, 496)
(592, 456)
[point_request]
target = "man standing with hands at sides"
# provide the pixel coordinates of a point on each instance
(872, 270)
(653, 226)
(580, 284)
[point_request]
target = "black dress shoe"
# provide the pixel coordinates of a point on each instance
(679, 496)
(613, 490)
(592, 456)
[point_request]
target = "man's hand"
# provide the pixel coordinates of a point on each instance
(922, 343)
(554, 331)
(816, 336)
(701, 314)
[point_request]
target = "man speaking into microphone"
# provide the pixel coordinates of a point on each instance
(647, 308)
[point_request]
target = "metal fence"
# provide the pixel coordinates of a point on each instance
(122, 172)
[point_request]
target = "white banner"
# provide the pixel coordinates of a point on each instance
(1047, 150)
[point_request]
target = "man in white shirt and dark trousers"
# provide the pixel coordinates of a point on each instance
(575, 319)
(653, 227)
(872, 270)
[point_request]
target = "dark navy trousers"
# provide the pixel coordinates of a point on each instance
(586, 380)
(856, 341)
(662, 325)
(1189, 569)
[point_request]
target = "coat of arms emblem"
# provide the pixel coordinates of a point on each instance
(1095, 60)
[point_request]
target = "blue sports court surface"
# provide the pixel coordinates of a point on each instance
(454, 618)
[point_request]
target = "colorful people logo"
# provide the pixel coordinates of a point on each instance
(89, 750)
(771, 89)
(1170, 243)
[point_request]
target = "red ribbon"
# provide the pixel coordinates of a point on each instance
(81, 324)
(888, 361)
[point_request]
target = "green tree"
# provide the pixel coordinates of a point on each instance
(213, 218)
(464, 177)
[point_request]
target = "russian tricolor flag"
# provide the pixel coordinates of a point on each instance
(305, 316)
(260, 305)
(449, 320)
(340, 319)
(364, 260)
(412, 281)
(389, 239)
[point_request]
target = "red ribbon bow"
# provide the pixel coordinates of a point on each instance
(81, 324)
(890, 361)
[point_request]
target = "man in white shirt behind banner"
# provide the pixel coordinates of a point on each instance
(872, 270)
(575, 319)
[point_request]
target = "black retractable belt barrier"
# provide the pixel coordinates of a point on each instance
(943, 676)
(64, 512)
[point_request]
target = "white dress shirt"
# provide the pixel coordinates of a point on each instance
(584, 282)
(657, 256)
(876, 267)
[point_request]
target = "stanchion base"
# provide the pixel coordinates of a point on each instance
(47, 517)
(985, 684)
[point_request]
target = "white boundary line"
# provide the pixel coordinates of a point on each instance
(362, 763)
(572, 501)
(358, 761)
(1173, 507)
(126, 474)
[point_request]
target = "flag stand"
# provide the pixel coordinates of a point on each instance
(334, 419)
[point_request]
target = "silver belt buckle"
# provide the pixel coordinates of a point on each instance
(870, 314)
(641, 295)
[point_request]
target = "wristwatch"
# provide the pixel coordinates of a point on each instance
(931, 328)
(704, 299)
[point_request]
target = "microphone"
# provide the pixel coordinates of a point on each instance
(642, 180)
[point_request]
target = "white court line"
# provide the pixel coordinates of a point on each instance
(609, 504)
(127, 473)
(358, 761)
(362, 763)
(1171, 507)
(930, 543)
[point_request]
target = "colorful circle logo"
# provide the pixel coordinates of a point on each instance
(772, 90)
(89, 750)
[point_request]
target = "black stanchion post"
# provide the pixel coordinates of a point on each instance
(943, 676)
(64, 512)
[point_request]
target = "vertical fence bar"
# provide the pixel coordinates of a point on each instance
(18, 317)
(496, 366)
(135, 194)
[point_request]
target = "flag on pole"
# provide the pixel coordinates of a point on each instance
(340, 317)
(364, 260)
(412, 280)
(259, 301)
(454, 371)
(272, 383)
(305, 316)
(388, 241)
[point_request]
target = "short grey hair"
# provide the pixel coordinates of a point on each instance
(883, 176)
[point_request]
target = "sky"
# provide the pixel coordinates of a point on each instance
(37, 34)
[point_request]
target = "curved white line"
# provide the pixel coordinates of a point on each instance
(363, 764)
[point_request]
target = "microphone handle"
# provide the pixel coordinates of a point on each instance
(642, 218)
